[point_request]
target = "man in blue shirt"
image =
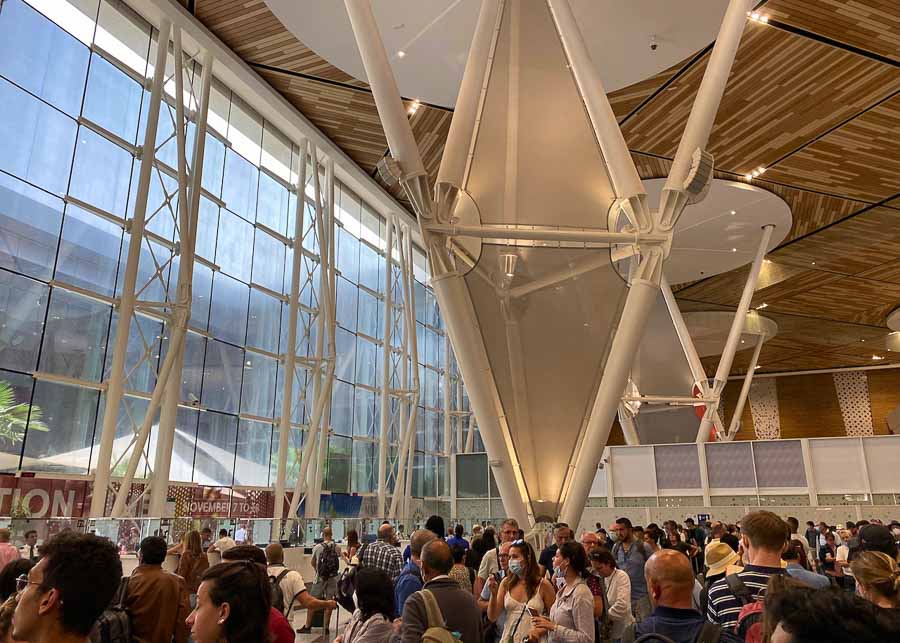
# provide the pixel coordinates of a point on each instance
(485, 597)
(631, 555)
(410, 578)
(795, 570)
(670, 580)
(457, 540)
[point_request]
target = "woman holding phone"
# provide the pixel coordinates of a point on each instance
(523, 594)
(572, 614)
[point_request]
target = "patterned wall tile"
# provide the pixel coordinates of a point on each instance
(677, 466)
(764, 408)
(779, 464)
(853, 395)
(730, 465)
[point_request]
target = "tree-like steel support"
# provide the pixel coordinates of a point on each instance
(650, 234)
(735, 423)
(175, 311)
(289, 357)
(321, 368)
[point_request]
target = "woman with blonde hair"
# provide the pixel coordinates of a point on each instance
(877, 578)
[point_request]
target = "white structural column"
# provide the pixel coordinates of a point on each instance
(321, 367)
(448, 412)
(386, 359)
(188, 210)
(116, 383)
(626, 421)
(735, 423)
(734, 335)
(289, 358)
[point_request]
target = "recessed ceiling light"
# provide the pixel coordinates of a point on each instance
(813, 263)
(757, 366)
(877, 357)
(749, 177)
(761, 306)
(734, 249)
(401, 54)
(733, 213)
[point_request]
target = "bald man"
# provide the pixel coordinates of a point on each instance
(670, 584)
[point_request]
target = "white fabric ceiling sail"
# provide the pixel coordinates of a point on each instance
(547, 313)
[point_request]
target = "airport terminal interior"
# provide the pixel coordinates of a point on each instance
(274, 267)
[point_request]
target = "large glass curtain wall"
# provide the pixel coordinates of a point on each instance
(72, 111)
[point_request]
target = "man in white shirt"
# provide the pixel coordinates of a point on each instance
(224, 543)
(293, 589)
(31, 550)
(618, 591)
(509, 531)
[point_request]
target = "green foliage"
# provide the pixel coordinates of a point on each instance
(15, 417)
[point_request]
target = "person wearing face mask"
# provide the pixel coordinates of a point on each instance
(521, 594)
(572, 614)
(493, 628)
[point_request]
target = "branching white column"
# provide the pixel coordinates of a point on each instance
(735, 424)
(116, 383)
(386, 355)
(289, 357)
(188, 209)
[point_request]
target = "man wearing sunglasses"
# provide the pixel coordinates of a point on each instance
(64, 594)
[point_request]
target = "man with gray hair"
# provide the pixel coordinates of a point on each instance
(509, 531)
(383, 554)
(410, 579)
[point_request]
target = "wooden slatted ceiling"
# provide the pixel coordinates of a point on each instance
(822, 118)
(873, 25)
(783, 92)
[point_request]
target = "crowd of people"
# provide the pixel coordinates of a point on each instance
(756, 580)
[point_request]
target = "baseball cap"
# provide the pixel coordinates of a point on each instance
(877, 538)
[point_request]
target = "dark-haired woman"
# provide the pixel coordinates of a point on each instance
(371, 622)
(352, 546)
(192, 563)
(233, 604)
(523, 593)
(572, 615)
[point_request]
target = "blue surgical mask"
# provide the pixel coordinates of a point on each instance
(515, 567)
(614, 536)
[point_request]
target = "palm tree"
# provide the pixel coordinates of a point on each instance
(14, 418)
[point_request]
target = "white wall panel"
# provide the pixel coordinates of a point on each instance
(883, 461)
(837, 465)
(633, 471)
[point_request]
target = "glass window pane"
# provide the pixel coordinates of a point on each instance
(41, 57)
(75, 16)
(337, 469)
(207, 226)
(161, 196)
(346, 304)
(345, 347)
(182, 466)
(471, 475)
(297, 405)
(370, 268)
(272, 205)
(222, 376)
(29, 227)
(254, 445)
(233, 253)
(268, 262)
(192, 371)
(113, 99)
(258, 395)
(369, 315)
(213, 164)
(342, 408)
(263, 321)
(348, 255)
(88, 251)
(239, 185)
(68, 413)
(214, 459)
(75, 336)
(276, 152)
(38, 141)
(365, 467)
(201, 293)
(15, 408)
(23, 302)
(365, 362)
(228, 311)
(348, 211)
(107, 189)
(131, 414)
(364, 413)
(433, 431)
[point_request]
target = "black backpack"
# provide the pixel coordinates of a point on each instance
(329, 562)
(277, 593)
(114, 624)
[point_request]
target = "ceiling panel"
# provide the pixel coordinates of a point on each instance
(872, 25)
(784, 91)
(849, 299)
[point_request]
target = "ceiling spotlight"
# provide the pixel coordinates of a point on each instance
(877, 357)
(749, 177)
(767, 261)
(734, 249)
(761, 306)
(414, 107)
(733, 212)
(760, 170)
(757, 366)
(764, 19)
(813, 263)
(508, 264)
(401, 54)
